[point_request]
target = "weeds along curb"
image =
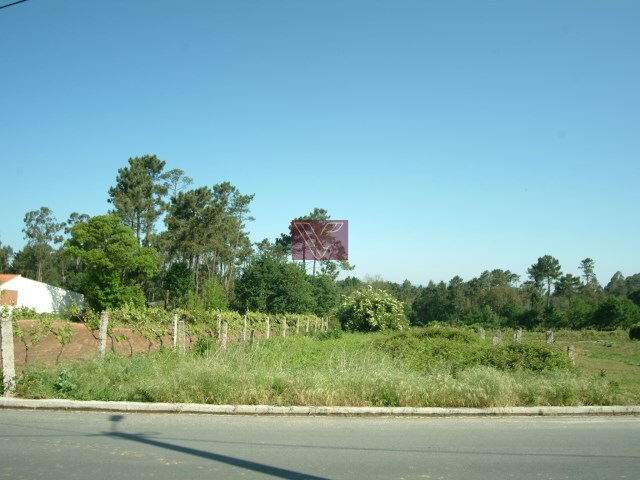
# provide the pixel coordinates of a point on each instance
(265, 410)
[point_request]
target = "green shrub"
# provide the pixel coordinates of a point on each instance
(203, 346)
(368, 309)
(63, 385)
(527, 356)
(634, 332)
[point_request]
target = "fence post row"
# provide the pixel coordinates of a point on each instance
(8, 365)
(102, 334)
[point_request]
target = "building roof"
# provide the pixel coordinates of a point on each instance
(8, 298)
(5, 277)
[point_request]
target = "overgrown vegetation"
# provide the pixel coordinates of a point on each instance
(423, 367)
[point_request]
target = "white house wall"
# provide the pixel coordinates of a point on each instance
(41, 297)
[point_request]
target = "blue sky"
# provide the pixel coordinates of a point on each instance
(455, 136)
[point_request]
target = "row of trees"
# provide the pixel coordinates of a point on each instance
(168, 243)
(202, 258)
(548, 298)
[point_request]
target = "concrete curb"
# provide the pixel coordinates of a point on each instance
(141, 407)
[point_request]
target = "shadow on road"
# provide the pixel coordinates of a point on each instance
(236, 462)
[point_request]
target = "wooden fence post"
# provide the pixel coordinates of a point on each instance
(315, 328)
(517, 335)
(181, 338)
(284, 327)
(267, 328)
(8, 365)
(497, 339)
(244, 329)
(252, 336)
(482, 334)
(298, 326)
(225, 327)
(307, 330)
(218, 327)
(174, 321)
(102, 334)
(549, 337)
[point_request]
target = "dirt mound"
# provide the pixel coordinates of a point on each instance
(83, 344)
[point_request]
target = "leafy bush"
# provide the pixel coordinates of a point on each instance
(616, 312)
(527, 356)
(203, 346)
(634, 332)
(63, 385)
(368, 309)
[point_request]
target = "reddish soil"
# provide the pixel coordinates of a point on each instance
(83, 344)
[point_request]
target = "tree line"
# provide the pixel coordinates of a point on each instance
(547, 298)
(167, 243)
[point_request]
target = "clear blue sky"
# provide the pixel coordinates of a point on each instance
(455, 136)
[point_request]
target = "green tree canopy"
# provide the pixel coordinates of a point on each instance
(617, 285)
(546, 269)
(273, 286)
(568, 286)
(326, 294)
(113, 263)
(587, 266)
(138, 195)
(6, 254)
(331, 268)
(42, 231)
(206, 228)
(616, 312)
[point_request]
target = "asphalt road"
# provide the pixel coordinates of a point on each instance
(84, 445)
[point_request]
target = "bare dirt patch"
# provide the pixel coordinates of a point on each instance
(83, 344)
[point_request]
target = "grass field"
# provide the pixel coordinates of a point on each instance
(423, 367)
(611, 355)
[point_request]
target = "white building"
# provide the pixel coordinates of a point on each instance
(17, 291)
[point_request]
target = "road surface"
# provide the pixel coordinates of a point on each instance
(86, 445)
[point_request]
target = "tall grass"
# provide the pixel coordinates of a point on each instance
(415, 369)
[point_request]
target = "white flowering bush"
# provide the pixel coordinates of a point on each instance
(368, 309)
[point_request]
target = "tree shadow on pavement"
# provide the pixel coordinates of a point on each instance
(236, 462)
